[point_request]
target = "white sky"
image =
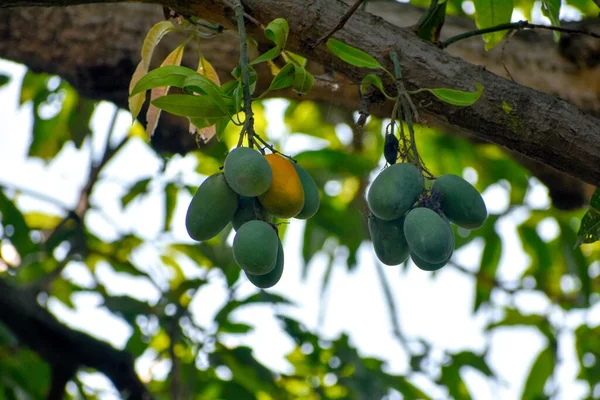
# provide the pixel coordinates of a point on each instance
(437, 310)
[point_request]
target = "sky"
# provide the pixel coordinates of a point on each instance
(436, 309)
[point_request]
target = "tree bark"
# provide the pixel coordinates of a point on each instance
(538, 126)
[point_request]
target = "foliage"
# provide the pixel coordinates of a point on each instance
(320, 367)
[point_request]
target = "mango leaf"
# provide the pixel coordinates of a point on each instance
(153, 114)
(193, 106)
(352, 55)
(491, 13)
(284, 78)
(371, 79)
(40, 220)
(171, 192)
(457, 97)
(153, 37)
(10, 215)
(589, 231)
(127, 307)
(4, 79)
(138, 188)
(32, 86)
(136, 101)
(206, 69)
(551, 9)
(201, 84)
(237, 74)
(540, 371)
(234, 327)
(170, 75)
(487, 268)
(303, 80)
(277, 31)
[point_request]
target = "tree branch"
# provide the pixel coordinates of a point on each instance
(64, 348)
(537, 125)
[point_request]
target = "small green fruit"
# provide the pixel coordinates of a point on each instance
(388, 239)
(461, 202)
(269, 279)
(255, 247)
(311, 193)
(395, 190)
(429, 236)
(247, 172)
(211, 208)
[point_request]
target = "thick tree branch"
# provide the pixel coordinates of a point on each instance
(63, 348)
(543, 136)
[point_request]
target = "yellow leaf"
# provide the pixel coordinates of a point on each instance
(153, 112)
(136, 102)
(205, 68)
(155, 34)
(39, 220)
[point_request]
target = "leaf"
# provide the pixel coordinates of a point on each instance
(457, 97)
(303, 80)
(127, 307)
(277, 31)
(589, 230)
(208, 87)
(371, 79)
(206, 69)
(137, 101)
(40, 220)
(551, 9)
(153, 113)
(234, 327)
(540, 371)
(4, 79)
(171, 192)
(170, 75)
(10, 215)
(138, 188)
(576, 263)
(153, 37)
(487, 268)
(192, 106)
(284, 78)
(352, 55)
(490, 13)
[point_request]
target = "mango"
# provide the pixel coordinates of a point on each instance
(425, 266)
(285, 196)
(460, 201)
(255, 247)
(269, 279)
(429, 235)
(247, 172)
(395, 190)
(211, 208)
(388, 239)
(311, 193)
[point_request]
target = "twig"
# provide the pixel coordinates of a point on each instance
(37, 195)
(520, 25)
(249, 122)
(389, 297)
(270, 146)
(43, 283)
(340, 24)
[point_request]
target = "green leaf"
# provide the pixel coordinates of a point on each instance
(540, 371)
(457, 97)
(352, 55)
(487, 268)
(551, 9)
(284, 78)
(127, 307)
(303, 80)
(193, 106)
(4, 79)
(372, 79)
(589, 231)
(170, 75)
(171, 192)
(204, 85)
(234, 327)
(138, 188)
(490, 13)
(10, 215)
(277, 31)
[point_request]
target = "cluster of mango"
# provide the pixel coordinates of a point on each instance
(251, 190)
(407, 220)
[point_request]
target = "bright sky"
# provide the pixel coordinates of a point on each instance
(435, 309)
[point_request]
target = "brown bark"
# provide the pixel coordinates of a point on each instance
(543, 126)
